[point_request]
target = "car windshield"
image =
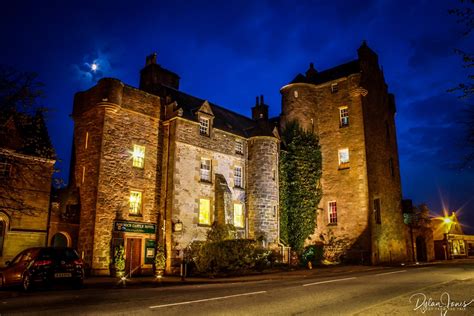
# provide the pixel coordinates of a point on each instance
(25, 255)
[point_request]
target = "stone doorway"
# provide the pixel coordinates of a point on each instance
(421, 249)
(133, 256)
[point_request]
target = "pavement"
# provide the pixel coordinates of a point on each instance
(275, 274)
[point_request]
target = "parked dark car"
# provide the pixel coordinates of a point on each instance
(43, 266)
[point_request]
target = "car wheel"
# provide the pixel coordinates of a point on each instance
(26, 282)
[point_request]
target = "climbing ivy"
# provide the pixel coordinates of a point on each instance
(300, 190)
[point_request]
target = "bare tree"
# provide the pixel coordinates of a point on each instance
(465, 90)
(26, 153)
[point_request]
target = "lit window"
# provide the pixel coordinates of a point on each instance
(332, 211)
(295, 93)
(205, 170)
(138, 156)
(238, 177)
(5, 168)
(334, 88)
(135, 203)
(239, 147)
(343, 156)
(203, 126)
(238, 216)
(343, 116)
(378, 218)
(204, 212)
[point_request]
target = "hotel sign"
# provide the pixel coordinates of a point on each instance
(134, 227)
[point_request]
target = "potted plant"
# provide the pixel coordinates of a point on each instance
(160, 261)
(119, 261)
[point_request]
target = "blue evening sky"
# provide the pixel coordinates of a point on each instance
(230, 51)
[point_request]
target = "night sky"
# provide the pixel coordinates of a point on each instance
(230, 51)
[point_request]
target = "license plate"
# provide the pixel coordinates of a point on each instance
(62, 275)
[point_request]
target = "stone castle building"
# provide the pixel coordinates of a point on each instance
(156, 165)
(26, 167)
(351, 111)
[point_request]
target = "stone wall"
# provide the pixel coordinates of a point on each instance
(263, 192)
(389, 239)
(113, 128)
(187, 147)
(317, 108)
(24, 208)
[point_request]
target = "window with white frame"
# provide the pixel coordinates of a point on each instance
(334, 88)
(343, 116)
(205, 172)
(138, 156)
(239, 147)
(239, 218)
(204, 126)
(238, 177)
(135, 206)
(204, 212)
(332, 212)
(343, 157)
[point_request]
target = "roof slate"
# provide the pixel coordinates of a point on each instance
(224, 119)
(330, 74)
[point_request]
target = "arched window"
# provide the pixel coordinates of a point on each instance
(4, 224)
(3, 228)
(59, 240)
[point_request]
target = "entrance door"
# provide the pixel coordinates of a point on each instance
(133, 256)
(421, 249)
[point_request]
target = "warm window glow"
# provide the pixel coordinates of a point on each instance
(295, 93)
(343, 156)
(204, 212)
(204, 126)
(332, 212)
(135, 203)
(343, 116)
(205, 170)
(239, 147)
(239, 219)
(138, 156)
(238, 177)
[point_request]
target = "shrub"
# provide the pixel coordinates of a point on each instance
(160, 258)
(221, 254)
(313, 253)
(119, 260)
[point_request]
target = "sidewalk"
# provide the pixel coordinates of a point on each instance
(148, 281)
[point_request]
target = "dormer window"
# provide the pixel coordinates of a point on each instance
(204, 126)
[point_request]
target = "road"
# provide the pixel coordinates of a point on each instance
(377, 292)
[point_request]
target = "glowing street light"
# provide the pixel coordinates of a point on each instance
(447, 220)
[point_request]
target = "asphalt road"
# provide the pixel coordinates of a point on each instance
(393, 291)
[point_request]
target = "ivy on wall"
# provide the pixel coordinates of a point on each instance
(300, 190)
